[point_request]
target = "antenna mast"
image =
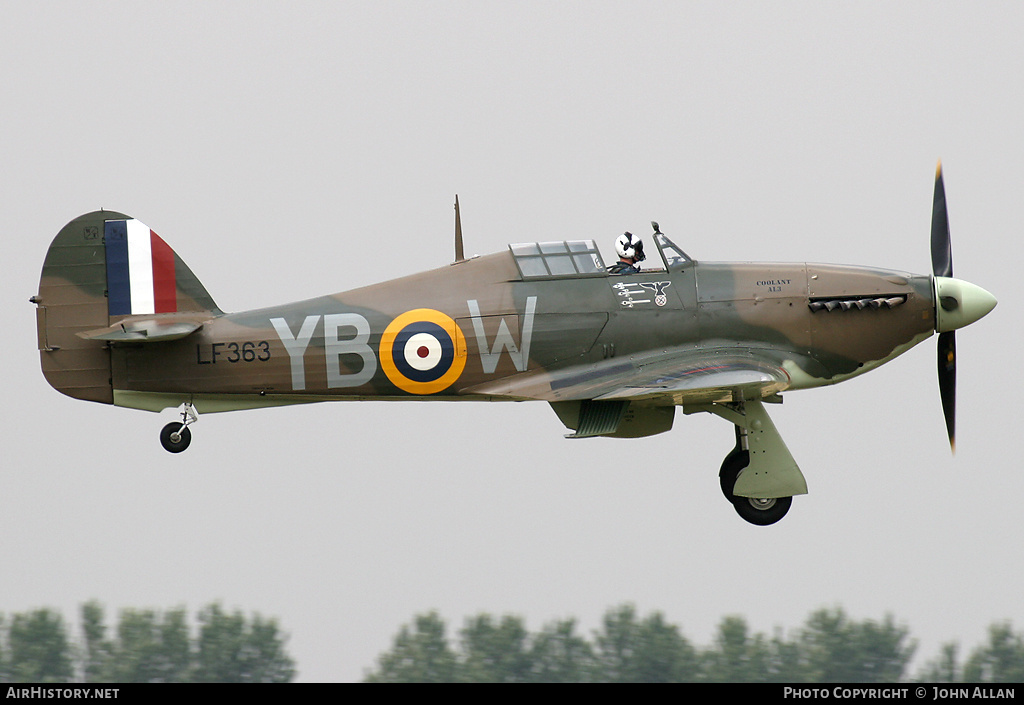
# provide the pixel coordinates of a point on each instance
(459, 253)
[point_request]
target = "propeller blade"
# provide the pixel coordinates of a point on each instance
(942, 251)
(947, 383)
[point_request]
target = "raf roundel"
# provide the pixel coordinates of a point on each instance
(423, 351)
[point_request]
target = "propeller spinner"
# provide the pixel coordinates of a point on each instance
(957, 304)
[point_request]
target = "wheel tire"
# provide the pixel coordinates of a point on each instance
(731, 466)
(762, 511)
(172, 431)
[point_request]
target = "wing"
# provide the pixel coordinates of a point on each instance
(674, 377)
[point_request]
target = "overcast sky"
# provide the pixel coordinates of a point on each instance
(288, 150)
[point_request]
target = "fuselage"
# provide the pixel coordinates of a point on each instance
(443, 333)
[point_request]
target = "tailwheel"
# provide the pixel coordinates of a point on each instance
(175, 437)
(759, 511)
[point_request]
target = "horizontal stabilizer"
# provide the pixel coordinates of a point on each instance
(143, 331)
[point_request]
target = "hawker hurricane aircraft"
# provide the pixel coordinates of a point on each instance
(122, 320)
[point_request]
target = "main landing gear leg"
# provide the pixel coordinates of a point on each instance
(175, 436)
(759, 475)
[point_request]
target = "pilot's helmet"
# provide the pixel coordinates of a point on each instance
(629, 246)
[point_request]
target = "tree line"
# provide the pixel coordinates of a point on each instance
(829, 647)
(146, 646)
(228, 647)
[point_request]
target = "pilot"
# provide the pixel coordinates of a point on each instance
(630, 249)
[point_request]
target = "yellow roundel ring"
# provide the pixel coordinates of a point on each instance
(423, 351)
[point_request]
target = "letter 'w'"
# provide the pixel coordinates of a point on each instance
(489, 355)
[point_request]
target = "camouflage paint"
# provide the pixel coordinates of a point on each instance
(484, 331)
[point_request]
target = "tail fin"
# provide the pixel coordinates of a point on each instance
(102, 268)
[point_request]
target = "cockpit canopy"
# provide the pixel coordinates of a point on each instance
(581, 258)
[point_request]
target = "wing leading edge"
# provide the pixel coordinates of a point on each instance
(670, 378)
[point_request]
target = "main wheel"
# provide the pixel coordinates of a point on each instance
(762, 511)
(757, 511)
(731, 466)
(174, 438)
